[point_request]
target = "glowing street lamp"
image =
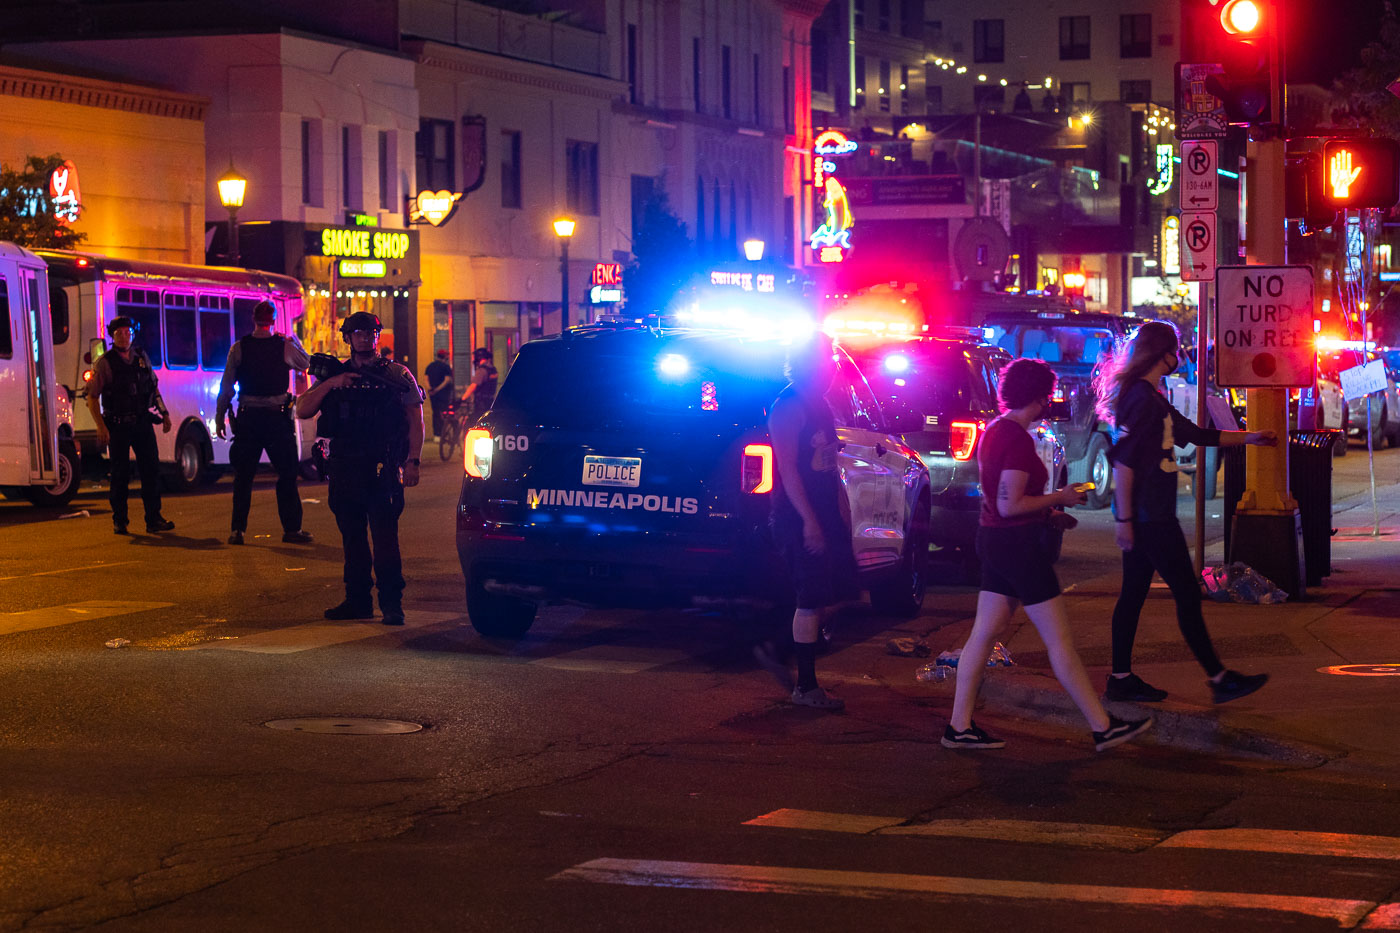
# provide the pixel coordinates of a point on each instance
(232, 187)
(563, 229)
(753, 250)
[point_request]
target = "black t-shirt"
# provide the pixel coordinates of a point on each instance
(437, 371)
(1147, 427)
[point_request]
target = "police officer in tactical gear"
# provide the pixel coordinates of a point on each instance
(482, 388)
(373, 415)
(120, 394)
(260, 364)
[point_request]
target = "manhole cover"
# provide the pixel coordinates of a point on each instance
(346, 726)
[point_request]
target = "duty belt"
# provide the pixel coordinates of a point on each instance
(279, 400)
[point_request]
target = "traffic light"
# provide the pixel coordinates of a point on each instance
(1358, 173)
(1303, 197)
(1246, 81)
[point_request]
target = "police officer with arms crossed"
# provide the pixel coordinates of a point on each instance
(122, 380)
(373, 414)
(260, 363)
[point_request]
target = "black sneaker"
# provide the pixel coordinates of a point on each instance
(393, 616)
(1132, 689)
(120, 529)
(971, 737)
(235, 538)
(1235, 685)
(297, 537)
(160, 524)
(350, 610)
(1120, 731)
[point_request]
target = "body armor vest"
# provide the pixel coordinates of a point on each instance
(262, 366)
(366, 421)
(127, 395)
(485, 394)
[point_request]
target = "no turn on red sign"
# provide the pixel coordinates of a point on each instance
(1263, 326)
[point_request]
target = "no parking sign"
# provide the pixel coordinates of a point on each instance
(1263, 320)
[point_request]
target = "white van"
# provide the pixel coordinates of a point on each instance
(187, 318)
(37, 455)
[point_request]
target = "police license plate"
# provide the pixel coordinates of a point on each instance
(612, 471)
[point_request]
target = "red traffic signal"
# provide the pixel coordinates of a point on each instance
(1240, 17)
(1360, 173)
(1246, 82)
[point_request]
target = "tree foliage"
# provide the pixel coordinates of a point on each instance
(26, 212)
(1361, 95)
(662, 256)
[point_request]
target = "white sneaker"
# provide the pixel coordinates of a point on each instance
(817, 698)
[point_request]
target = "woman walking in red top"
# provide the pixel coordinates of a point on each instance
(1016, 567)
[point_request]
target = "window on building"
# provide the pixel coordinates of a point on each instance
(181, 331)
(904, 89)
(1135, 92)
(1135, 39)
(387, 170)
(821, 63)
(884, 86)
(883, 21)
(989, 40)
(643, 190)
(510, 169)
(1076, 94)
(991, 98)
(311, 188)
(352, 159)
(214, 334)
(1074, 38)
(581, 160)
(700, 215)
(859, 77)
(435, 155)
(695, 71)
(634, 92)
(757, 92)
(933, 93)
(858, 11)
(789, 123)
(726, 82)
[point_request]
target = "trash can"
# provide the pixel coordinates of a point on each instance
(1310, 482)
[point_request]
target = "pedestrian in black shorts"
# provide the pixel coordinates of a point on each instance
(1146, 427)
(1016, 566)
(808, 524)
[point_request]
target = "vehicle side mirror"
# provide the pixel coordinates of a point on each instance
(96, 347)
(1059, 410)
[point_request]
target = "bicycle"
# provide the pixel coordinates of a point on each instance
(451, 433)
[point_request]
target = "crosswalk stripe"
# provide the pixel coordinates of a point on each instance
(68, 613)
(1090, 835)
(321, 634)
(827, 822)
(579, 661)
(1290, 842)
(100, 565)
(769, 879)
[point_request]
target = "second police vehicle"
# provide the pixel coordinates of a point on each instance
(626, 464)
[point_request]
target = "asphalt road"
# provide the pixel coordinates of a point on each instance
(612, 770)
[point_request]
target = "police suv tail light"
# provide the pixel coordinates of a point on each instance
(756, 469)
(962, 440)
(476, 453)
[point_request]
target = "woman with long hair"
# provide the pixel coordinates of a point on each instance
(1016, 565)
(1146, 428)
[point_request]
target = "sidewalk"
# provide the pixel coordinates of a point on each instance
(1303, 715)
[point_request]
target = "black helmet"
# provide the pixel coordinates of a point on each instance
(117, 322)
(360, 320)
(480, 353)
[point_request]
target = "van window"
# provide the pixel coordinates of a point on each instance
(181, 343)
(58, 307)
(142, 305)
(7, 349)
(243, 316)
(214, 339)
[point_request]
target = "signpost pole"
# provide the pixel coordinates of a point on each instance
(1202, 372)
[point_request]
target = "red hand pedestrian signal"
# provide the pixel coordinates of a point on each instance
(1361, 173)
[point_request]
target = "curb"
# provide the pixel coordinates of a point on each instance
(1201, 731)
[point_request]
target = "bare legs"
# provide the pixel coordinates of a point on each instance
(1051, 621)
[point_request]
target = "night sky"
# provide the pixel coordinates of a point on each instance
(1327, 36)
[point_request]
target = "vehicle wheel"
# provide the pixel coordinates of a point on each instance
(498, 616)
(1100, 473)
(69, 476)
(448, 442)
(902, 595)
(191, 462)
(1340, 449)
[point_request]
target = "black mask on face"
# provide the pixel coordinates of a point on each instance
(1176, 362)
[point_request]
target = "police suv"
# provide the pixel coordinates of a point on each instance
(630, 465)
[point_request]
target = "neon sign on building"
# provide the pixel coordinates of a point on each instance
(832, 238)
(1161, 183)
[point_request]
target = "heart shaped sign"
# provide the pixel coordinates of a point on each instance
(434, 206)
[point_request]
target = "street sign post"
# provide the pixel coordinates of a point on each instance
(1263, 332)
(1199, 113)
(1200, 180)
(1198, 246)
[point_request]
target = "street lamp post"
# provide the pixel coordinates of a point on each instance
(231, 189)
(563, 229)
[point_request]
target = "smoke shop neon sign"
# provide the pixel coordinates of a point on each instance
(353, 243)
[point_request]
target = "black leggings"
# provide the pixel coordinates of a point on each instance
(1160, 546)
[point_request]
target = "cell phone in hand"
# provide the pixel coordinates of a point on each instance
(1083, 487)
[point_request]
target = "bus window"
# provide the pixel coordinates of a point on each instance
(243, 316)
(214, 340)
(142, 305)
(58, 307)
(7, 349)
(181, 346)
